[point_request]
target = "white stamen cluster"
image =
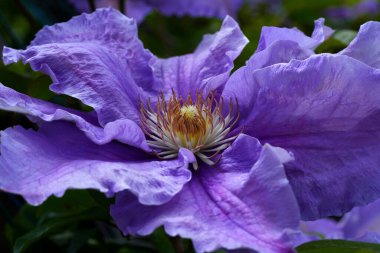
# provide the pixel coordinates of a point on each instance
(196, 125)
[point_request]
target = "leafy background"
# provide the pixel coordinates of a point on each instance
(80, 221)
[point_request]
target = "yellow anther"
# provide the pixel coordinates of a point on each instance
(189, 112)
(195, 123)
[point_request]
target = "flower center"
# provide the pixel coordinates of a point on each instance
(196, 125)
(189, 112)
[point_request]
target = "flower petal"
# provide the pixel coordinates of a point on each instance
(366, 46)
(325, 110)
(360, 224)
(243, 202)
(280, 45)
(125, 130)
(58, 157)
(362, 221)
(269, 35)
(370, 237)
(276, 45)
(208, 67)
(96, 58)
(316, 230)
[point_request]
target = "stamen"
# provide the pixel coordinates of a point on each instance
(196, 125)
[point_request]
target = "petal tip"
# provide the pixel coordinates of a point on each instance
(10, 55)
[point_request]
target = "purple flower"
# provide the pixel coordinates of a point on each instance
(212, 184)
(138, 9)
(242, 200)
(360, 224)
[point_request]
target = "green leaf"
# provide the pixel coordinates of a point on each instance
(54, 216)
(79, 239)
(345, 36)
(162, 241)
(338, 246)
(51, 225)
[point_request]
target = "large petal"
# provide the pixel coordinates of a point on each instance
(38, 164)
(208, 67)
(326, 110)
(366, 46)
(243, 202)
(276, 45)
(123, 130)
(269, 35)
(280, 45)
(96, 58)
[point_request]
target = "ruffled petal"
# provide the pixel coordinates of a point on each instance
(269, 35)
(208, 67)
(326, 110)
(362, 223)
(124, 130)
(366, 46)
(96, 58)
(245, 201)
(38, 164)
(276, 45)
(280, 45)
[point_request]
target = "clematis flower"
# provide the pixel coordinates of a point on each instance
(138, 9)
(322, 108)
(166, 133)
(156, 136)
(360, 224)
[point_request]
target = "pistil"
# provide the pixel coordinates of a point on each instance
(195, 125)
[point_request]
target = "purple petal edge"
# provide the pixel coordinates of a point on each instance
(38, 164)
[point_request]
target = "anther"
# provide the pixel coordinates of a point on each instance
(196, 125)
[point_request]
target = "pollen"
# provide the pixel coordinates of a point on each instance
(197, 125)
(189, 112)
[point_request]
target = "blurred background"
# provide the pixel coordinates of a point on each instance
(80, 221)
